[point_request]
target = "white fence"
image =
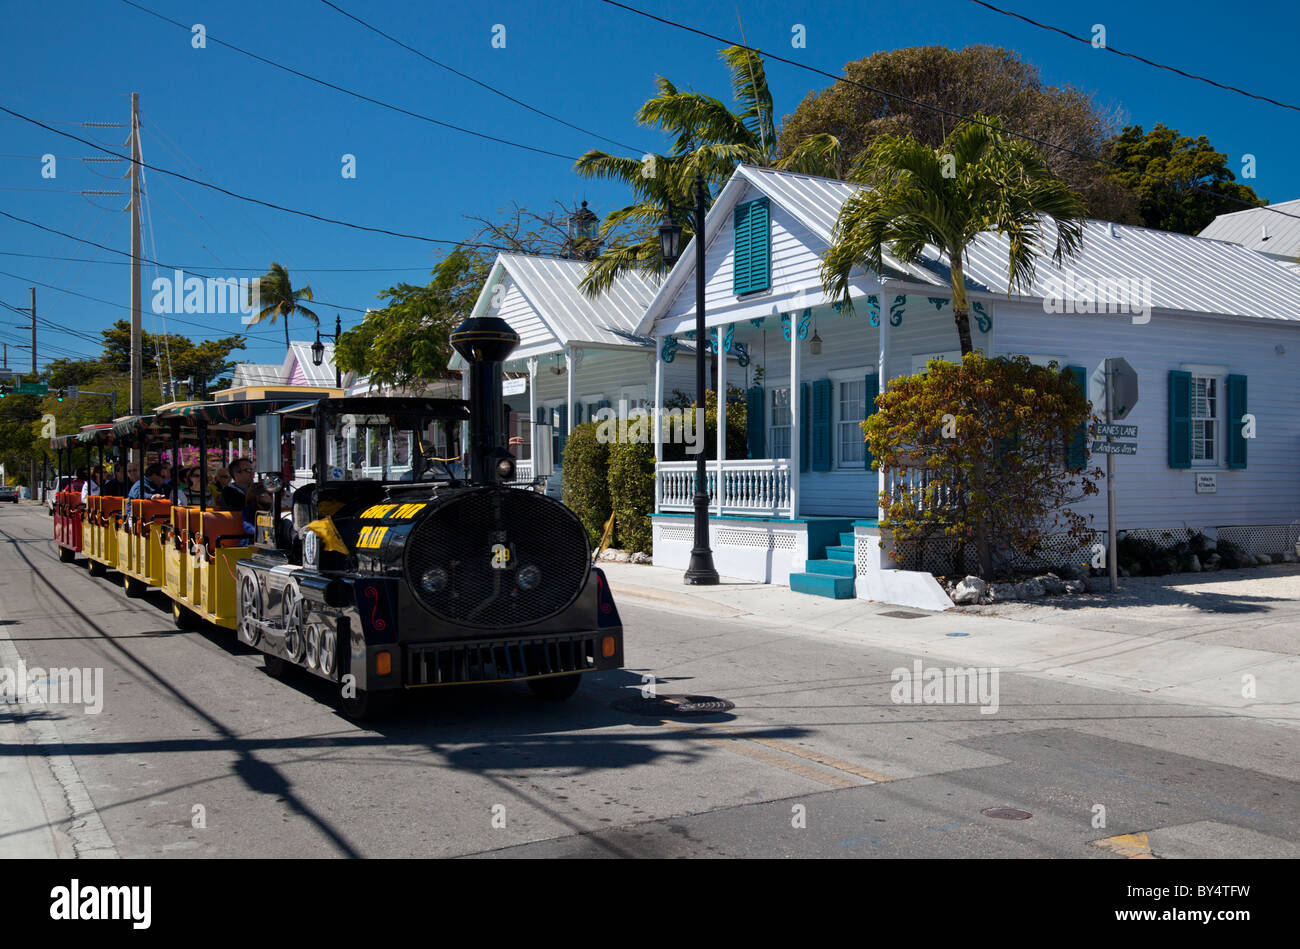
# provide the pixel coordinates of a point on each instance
(917, 480)
(749, 486)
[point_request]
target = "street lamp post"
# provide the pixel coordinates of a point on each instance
(318, 350)
(700, 571)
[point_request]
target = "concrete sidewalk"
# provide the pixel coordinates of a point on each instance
(1167, 665)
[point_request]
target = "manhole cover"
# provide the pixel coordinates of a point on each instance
(903, 614)
(1006, 813)
(668, 705)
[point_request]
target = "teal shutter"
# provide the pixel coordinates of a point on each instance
(1076, 446)
(578, 413)
(754, 421)
(561, 434)
(752, 260)
(821, 425)
(873, 390)
(1236, 409)
(805, 426)
(603, 404)
(1180, 419)
(541, 415)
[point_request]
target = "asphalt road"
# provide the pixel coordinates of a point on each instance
(815, 759)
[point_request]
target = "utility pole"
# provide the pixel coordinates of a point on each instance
(33, 332)
(137, 349)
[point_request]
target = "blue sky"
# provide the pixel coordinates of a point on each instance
(258, 131)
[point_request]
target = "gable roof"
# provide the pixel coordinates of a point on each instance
(1187, 274)
(1261, 229)
(564, 315)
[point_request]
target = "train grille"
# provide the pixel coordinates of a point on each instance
(497, 557)
(451, 663)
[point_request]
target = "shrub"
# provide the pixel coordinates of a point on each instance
(737, 436)
(585, 479)
(990, 436)
(632, 492)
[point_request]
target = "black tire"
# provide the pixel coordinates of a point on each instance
(135, 588)
(184, 617)
(556, 688)
(96, 568)
(67, 555)
(275, 667)
(369, 706)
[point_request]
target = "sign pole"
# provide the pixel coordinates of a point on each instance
(1112, 556)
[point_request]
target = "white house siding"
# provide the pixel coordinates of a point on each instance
(1150, 494)
(516, 310)
(796, 263)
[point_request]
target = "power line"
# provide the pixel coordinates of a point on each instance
(355, 95)
(938, 108)
(147, 260)
(1142, 59)
(477, 82)
(186, 267)
(251, 200)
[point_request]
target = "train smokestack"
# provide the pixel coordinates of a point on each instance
(484, 342)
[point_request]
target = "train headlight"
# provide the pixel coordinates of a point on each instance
(434, 580)
(506, 470)
(529, 578)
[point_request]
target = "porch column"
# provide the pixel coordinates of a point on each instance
(568, 373)
(796, 417)
(658, 410)
(532, 408)
(720, 359)
(882, 362)
(464, 429)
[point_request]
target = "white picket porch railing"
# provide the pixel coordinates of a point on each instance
(759, 486)
(916, 480)
(524, 471)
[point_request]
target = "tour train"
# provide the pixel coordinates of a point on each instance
(394, 568)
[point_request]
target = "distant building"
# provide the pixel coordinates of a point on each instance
(1272, 230)
(297, 375)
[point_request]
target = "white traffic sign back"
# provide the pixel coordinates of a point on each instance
(1124, 388)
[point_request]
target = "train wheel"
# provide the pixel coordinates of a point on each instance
(368, 706)
(274, 665)
(96, 568)
(250, 611)
(184, 617)
(328, 644)
(555, 688)
(136, 588)
(295, 638)
(67, 555)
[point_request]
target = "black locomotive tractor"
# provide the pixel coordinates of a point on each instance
(412, 559)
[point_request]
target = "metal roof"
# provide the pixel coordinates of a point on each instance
(255, 374)
(1262, 229)
(1188, 274)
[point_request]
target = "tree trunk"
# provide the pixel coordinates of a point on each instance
(960, 305)
(286, 332)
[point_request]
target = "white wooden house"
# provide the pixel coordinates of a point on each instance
(576, 355)
(1220, 339)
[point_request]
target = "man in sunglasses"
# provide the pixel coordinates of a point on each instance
(236, 496)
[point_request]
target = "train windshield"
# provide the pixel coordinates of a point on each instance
(391, 447)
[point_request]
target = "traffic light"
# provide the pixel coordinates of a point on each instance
(62, 393)
(4, 391)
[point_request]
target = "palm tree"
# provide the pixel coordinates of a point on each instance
(707, 139)
(978, 180)
(275, 297)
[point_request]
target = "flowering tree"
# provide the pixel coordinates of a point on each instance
(990, 453)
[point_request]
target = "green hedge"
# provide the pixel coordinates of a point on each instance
(585, 479)
(632, 488)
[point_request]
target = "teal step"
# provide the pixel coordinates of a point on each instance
(833, 568)
(846, 538)
(821, 584)
(840, 553)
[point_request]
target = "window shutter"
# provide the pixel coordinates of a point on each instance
(1236, 409)
(751, 261)
(1076, 446)
(821, 425)
(578, 412)
(603, 404)
(754, 421)
(873, 390)
(1180, 419)
(561, 434)
(805, 427)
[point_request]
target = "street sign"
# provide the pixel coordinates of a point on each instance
(31, 388)
(1118, 431)
(1115, 448)
(1123, 388)
(514, 386)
